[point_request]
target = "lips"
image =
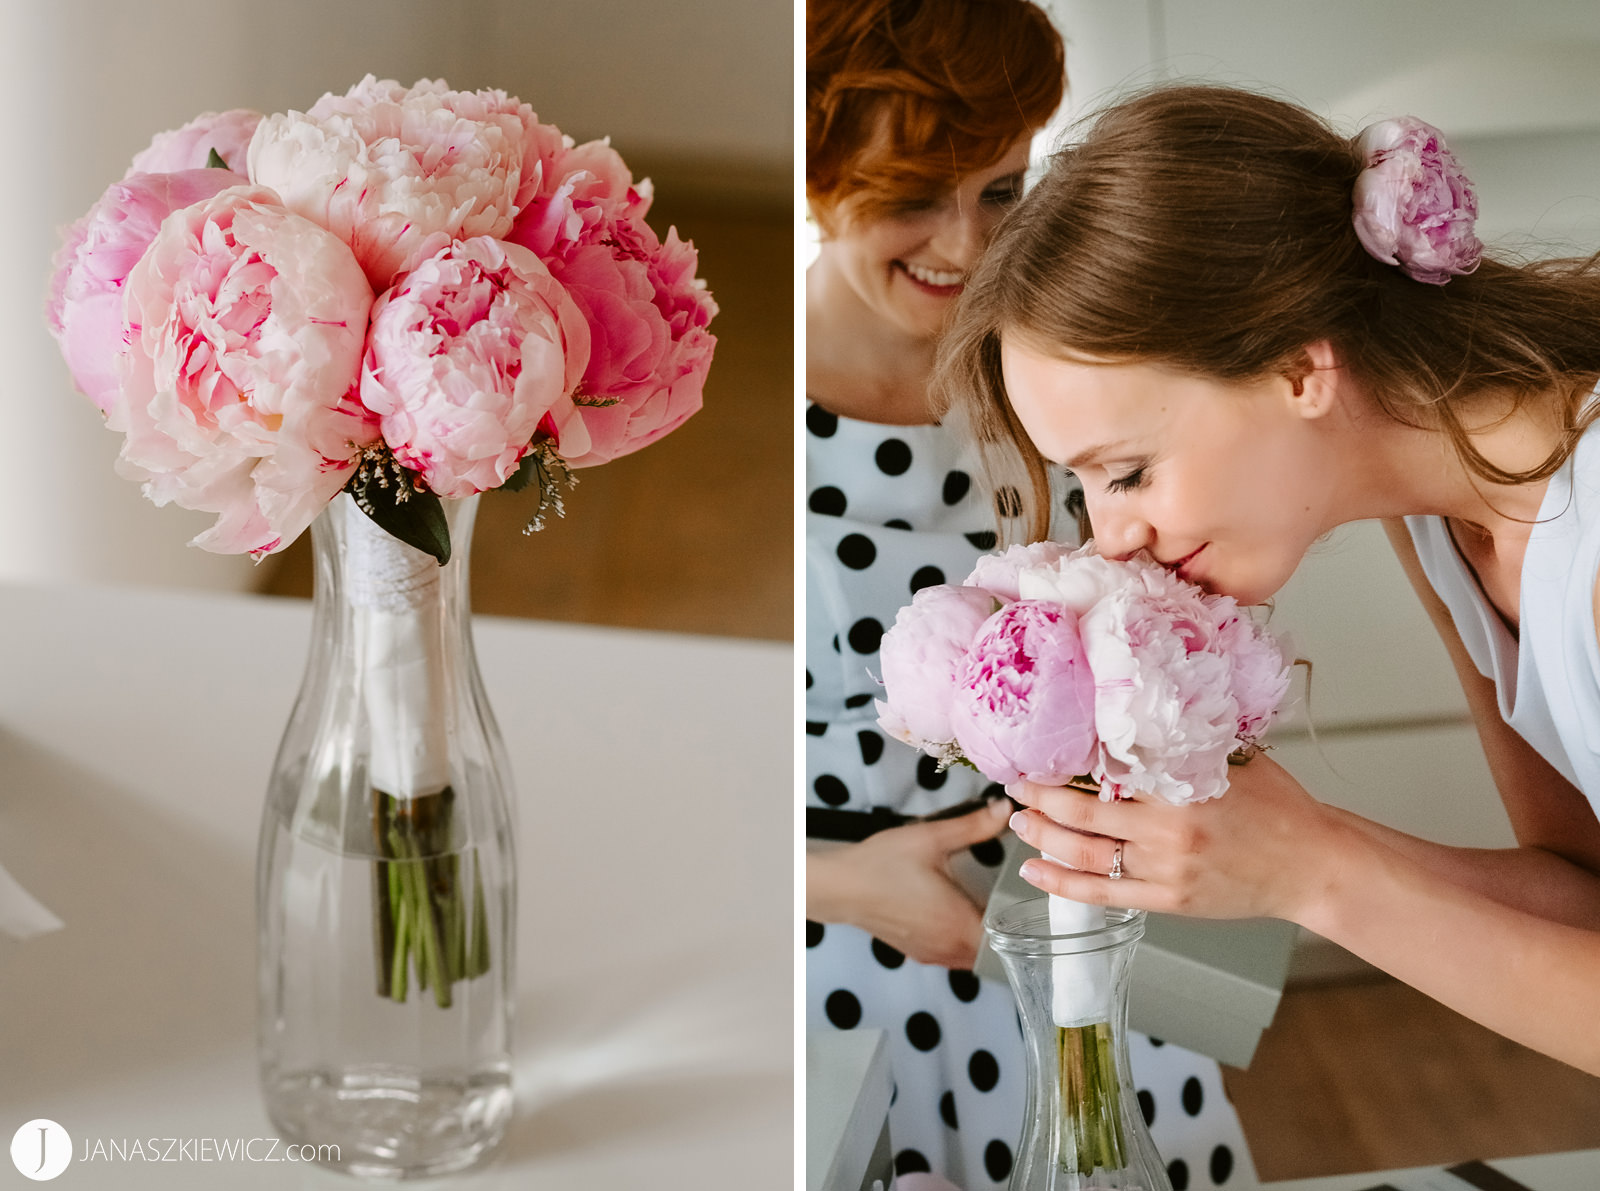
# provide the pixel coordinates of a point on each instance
(1180, 566)
(935, 282)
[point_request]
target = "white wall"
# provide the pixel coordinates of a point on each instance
(89, 81)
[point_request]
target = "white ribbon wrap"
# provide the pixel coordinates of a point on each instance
(393, 589)
(1080, 985)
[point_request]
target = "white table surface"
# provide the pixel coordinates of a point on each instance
(655, 956)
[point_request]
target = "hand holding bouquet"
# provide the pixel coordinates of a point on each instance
(1059, 666)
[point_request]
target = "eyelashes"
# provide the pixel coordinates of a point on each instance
(1127, 483)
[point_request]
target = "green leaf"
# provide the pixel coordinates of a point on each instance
(523, 476)
(215, 162)
(417, 521)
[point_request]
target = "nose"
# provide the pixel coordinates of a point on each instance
(1118, 533)
(962, 234)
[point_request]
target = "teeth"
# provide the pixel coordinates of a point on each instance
(933, 276)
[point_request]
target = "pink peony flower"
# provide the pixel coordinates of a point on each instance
(1164, 704)
(998, 573)
(189, 147)
(579, 192)
(1025, 699)
(469, 355)
(651, 350)
(1260, 674)
(92, 266)
(1413, 204)
(388, 168)
(920, 654)
(245, 326)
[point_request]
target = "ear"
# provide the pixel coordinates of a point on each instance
(1316, 380)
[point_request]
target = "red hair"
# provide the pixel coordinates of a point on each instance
(905, 97)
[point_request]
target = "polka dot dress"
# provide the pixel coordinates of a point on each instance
(891, 509)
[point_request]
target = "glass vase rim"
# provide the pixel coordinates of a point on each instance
(1016, 929)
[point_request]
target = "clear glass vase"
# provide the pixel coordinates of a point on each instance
(386, 877)
(1083, 1129)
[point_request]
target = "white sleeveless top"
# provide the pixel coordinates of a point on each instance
(1549, 685)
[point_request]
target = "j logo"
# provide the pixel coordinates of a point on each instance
(41, 1149)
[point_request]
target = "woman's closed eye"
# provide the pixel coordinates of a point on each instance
(1128, 481)
(1004, 192)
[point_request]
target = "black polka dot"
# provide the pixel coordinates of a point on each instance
(897, 523)
(820, 422)
(865, 635)
(926, 577)
(983, 1070)
(929, 775)
(922, 1030)
(894, 1093)
(1008, 501)
(1221, 1164)
(814, 933)
(1178, 1174)
(856, 551)
(831, 790)
(990, 853)
(984, 539)
(993, 790)
(1193, 1097)
(1157, 1042)
(828, 500)
(887, 955)
(997, 1159)
(836, 643)
(815, 727)
(843, 1009)
(871, 747)
(809, 680)
(909, 1161)
(1147, 1106)
(964, 984)
(947, 1109)
(854, 701)
(956, 483)
(893, 457)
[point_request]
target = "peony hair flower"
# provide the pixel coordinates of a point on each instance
(245, 324)
(1414, 207)
(227, 134)
(920, 654)
(472, 354)
(1024, 704)
(386, 168)
(85, 308)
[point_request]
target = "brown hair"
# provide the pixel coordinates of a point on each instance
(1209, 229)
(905, 97)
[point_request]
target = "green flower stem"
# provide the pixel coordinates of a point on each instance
(420, 912)
(1091, 1111)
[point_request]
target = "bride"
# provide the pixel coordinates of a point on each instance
(1240, 330)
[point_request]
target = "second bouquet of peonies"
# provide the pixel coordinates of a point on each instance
(409, 293)
(1062, 667)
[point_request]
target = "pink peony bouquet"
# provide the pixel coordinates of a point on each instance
(1052, 665)
(406, 293)
(1060, 667)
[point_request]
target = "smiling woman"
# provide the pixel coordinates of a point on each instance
(1306, 332)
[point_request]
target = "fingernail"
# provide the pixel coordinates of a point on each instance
(1019, 822)
(1014, 789)
(1031, 871)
